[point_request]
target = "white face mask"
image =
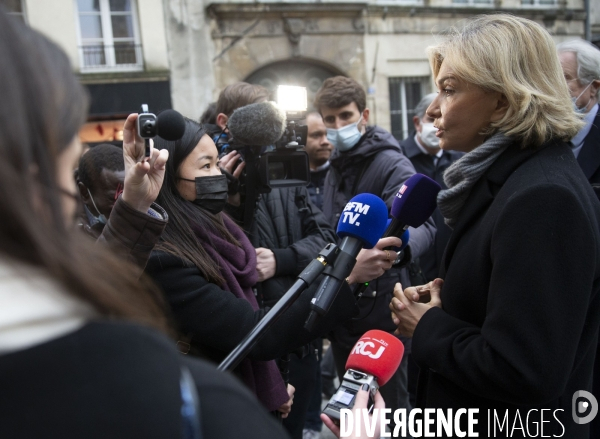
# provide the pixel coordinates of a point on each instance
(427, 135)
(346, 137)
(583, 108)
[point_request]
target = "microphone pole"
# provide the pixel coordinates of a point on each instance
(312, 271)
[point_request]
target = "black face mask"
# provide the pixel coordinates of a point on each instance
(211, 192)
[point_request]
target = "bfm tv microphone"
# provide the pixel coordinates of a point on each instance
(260, 124)
(360, 226)
(373, 360)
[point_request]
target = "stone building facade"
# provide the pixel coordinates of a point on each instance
(181, 53)
(381, 44)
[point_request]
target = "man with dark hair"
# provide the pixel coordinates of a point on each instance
(100, 179)
(238, 95)
(367, 159)
(232, 97)
(210, 114)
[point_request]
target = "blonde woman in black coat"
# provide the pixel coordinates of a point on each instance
(511, 329)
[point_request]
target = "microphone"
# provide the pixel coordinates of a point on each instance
(405, 237)
(415, 201)
(170, 125)
(360, 226)
(373, 360)
(260, 124)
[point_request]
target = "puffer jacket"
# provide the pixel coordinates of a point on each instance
(289, 224)
(382, 168)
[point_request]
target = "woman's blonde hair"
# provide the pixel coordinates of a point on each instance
(516, 57)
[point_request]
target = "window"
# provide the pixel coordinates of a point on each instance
(109, 36)
(539, 2)
(14, 8)
(405, 94)
(473, 2)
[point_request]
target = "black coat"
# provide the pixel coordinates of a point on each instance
(119, 381)
(289, 224)
(423, 163)
(385, 169)
(589, 156)
(521, 309)
(217, 321)
(315, 186)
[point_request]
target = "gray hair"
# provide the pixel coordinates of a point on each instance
(423, 104)
(588, 59)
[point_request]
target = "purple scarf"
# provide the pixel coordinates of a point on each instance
(238, 268)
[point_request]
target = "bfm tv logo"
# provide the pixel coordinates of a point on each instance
(358, 208)
(585, 407)
(361, 348)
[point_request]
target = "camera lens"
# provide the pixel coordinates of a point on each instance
(148, 127)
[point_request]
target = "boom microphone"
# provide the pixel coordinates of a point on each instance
(170, 125)
(361, 224)
(373, 360)
(260, 124)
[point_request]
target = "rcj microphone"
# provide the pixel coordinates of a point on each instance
(361, 224)
(373, 360)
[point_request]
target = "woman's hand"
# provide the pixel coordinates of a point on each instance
(406, 309)
(372, 263)
(143, 175)
(286, 408)
(362, 399)
(265, 263)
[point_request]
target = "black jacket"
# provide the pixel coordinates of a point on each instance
(423, 163)
(315, 186)
(289, 224)
(589, 156)
(119, 380)
(382, 168)
(521, 309)
(217, 321)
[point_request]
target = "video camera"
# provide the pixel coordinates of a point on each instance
(282, 163)
(287, 166)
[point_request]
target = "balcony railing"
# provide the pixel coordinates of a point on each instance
(118, 57)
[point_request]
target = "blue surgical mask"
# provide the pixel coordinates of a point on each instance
(346, 137)
(582, 109)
